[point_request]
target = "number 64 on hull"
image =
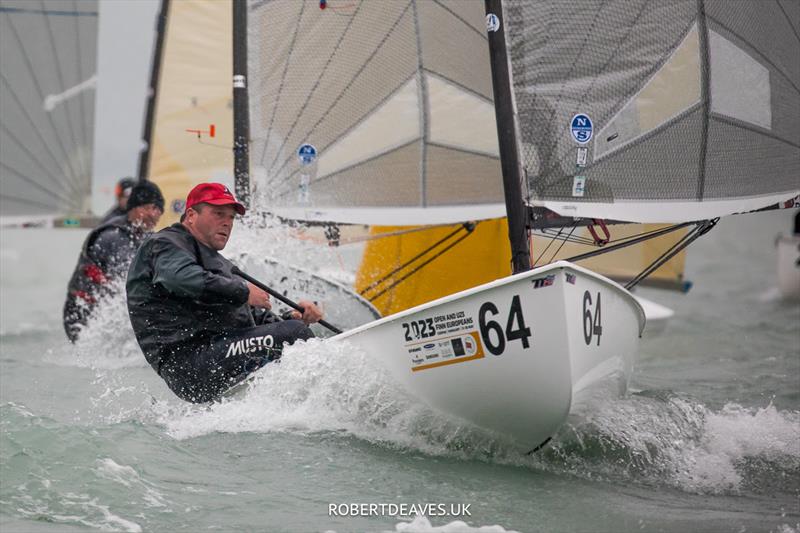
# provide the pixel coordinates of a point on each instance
(512, 356)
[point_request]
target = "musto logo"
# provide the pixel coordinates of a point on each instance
(250, 345)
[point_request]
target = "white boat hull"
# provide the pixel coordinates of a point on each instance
(788, 266)
(510, 356)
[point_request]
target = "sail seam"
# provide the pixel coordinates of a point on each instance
(747, 126)
(462, 20)
(347, 168)
(788, 19)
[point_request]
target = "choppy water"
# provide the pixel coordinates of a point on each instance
(709, 441)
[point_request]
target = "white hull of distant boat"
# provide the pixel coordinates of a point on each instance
(657, 315)
(788, 266)
(510, 356)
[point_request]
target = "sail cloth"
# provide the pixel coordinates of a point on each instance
(48, 61)
(389, 103)
(694, 106)
(193, 96)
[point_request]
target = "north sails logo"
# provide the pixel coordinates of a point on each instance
(250, 345)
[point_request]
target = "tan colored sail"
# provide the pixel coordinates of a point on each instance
(194, 93)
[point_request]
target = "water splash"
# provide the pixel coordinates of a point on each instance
(650, 438)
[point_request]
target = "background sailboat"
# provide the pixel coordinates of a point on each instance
(48, 58)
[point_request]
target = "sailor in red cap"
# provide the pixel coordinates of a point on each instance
(202, 328)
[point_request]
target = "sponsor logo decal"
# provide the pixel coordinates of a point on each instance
(250, 345)
(546, 281)
(581, 128)
(492, 22)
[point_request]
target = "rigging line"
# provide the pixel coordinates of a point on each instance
(606, 249)
(61, 86)
(283, 79)
(352, 79)
(62, 184)
(70, 201)
(27, 201)
(701, 229)
(396, 283)
(313, 90)
(33, 158)
(391, 273)
(563, 242)
(547, 247)
(40, 95)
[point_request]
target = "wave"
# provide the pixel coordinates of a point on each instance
(651, 438)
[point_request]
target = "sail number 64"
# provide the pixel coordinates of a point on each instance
(490, 328)
(591, 320)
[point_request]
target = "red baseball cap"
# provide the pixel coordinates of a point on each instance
(214, 194)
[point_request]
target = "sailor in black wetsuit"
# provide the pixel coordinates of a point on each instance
(121, 192)
(201, 328)
(107, 253)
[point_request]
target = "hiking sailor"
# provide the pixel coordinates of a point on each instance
(202, 328)
(106, 254)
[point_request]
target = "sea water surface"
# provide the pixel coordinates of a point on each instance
(708, 440)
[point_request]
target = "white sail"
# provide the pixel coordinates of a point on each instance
(680, 110)
(393, 101)
(48, 55)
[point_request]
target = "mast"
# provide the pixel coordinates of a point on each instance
(155, 75)
(241, 117)
(507, 138)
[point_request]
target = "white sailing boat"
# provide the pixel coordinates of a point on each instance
(377, 113)
(48, 61)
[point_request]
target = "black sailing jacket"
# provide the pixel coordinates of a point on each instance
(105, 255)
(181, 294)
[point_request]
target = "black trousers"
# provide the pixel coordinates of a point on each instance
(202, 373)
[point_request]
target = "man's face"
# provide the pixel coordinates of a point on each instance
(212, 225)
(146, 215)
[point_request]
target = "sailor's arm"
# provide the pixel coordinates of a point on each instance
(178, 271)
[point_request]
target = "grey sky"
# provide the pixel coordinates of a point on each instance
(125, 41)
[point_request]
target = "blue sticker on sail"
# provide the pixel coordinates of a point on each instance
(307, 154)
(581, 128)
